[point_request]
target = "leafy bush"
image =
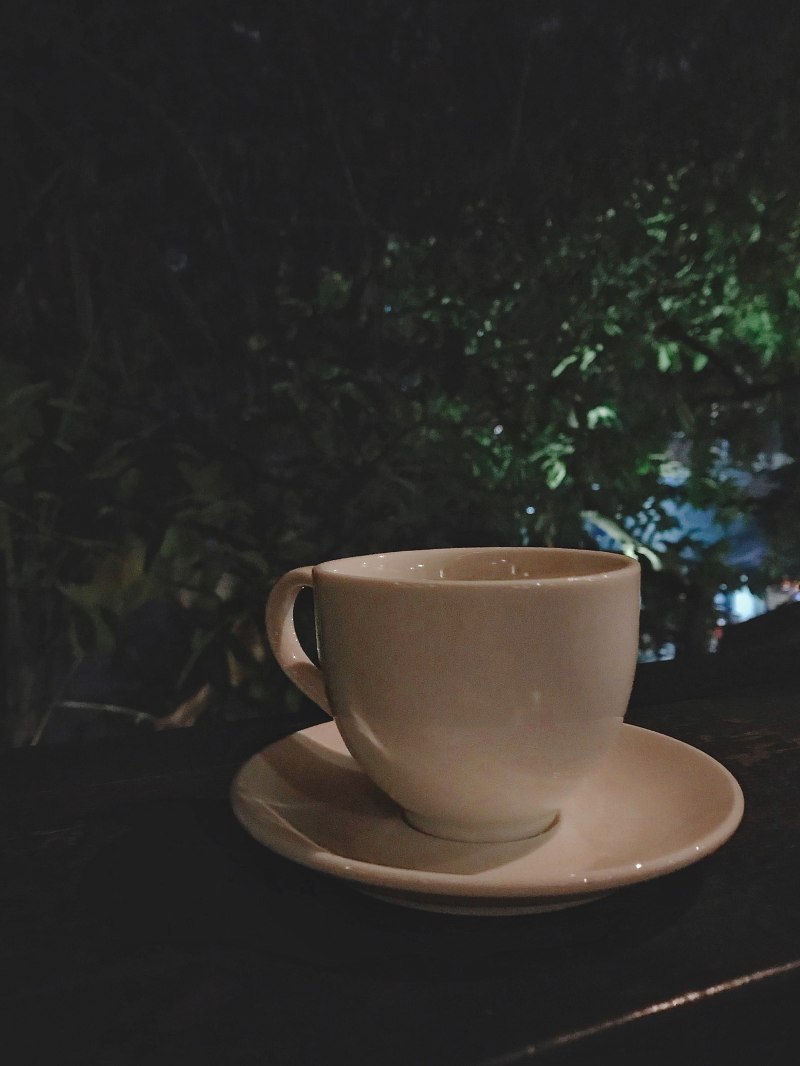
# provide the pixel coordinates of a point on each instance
(308, 283)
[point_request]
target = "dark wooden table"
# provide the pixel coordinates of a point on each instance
(140, 923)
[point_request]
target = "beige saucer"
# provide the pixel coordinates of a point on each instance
(655, 806)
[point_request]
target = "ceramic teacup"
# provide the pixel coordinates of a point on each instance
(477, 687)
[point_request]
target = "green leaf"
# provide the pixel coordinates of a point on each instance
(601, 416)
(629, 545)
(26, 394)
(588, 357)
(668, 357)
(555, 472)
(699, 362)
(568, 360)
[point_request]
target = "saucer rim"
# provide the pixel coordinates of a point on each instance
(289, 842)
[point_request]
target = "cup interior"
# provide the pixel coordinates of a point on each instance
(469, 565)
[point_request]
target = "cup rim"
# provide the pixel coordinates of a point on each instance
(618, 567)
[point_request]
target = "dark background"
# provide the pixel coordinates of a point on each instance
(286, 281)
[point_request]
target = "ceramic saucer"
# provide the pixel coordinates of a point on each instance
(655, 806)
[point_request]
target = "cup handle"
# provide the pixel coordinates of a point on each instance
(283, 639)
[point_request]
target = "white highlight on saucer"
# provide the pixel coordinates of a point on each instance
(655, 805)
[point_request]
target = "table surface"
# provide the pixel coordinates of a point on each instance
(140, 924)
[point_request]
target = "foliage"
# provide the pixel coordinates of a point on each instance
(293, 283)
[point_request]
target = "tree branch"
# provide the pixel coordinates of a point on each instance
(739, 381)
(330, 119)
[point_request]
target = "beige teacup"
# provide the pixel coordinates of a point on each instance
(475, 686)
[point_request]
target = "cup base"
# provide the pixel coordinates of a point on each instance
(481, 834)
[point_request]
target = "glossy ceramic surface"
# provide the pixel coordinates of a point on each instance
(654, 806)
(477, 687)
